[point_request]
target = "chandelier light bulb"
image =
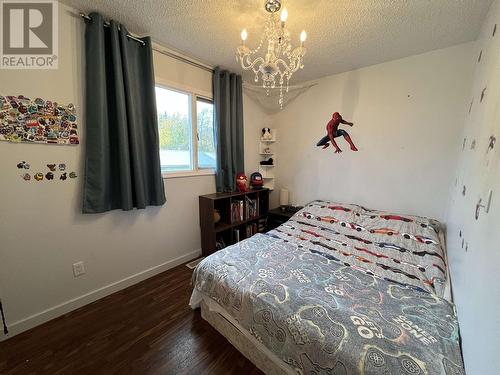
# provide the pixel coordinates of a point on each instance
(244, 34)
(284, 15)
(303, 36)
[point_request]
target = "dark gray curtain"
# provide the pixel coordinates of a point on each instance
(122, 169)
(228, 117)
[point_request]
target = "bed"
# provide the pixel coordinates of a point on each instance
(337, 289)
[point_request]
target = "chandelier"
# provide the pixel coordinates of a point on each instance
(279, 60)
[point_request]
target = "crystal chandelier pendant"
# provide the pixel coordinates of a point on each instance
(276, 65)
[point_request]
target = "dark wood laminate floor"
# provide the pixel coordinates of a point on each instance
(147, 328)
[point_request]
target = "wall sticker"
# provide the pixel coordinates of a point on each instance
(491, 143)
(23, 165)
(48, 175)
(333, 131)
(37, 121)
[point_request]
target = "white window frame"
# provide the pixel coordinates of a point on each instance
(194, 95)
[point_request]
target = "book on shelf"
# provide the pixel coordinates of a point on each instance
(220, 243)
(251, 208)
(237, 211)
(251, 229)
(236, 235)
(262, 225)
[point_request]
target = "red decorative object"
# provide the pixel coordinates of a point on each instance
(333, 131)
(241, 183)
(256, 180)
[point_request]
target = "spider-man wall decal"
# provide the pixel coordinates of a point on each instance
(333, 131)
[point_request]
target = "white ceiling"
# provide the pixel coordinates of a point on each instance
(342, 34)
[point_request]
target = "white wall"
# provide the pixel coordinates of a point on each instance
(255, 118)
(42, 232)
(407, 114)
(475, 265)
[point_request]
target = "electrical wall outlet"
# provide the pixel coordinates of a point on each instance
(78, 269)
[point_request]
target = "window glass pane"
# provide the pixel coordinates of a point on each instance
(174, 127)
(206, 141)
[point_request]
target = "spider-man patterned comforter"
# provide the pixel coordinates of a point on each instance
(339, 289)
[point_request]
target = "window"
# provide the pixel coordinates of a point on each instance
(206, 140)
(186, 131)
(174, 128)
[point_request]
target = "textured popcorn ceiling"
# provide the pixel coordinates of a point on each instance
(342, 34)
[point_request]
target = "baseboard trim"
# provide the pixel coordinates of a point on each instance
(53, 312)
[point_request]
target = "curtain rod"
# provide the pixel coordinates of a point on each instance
(162, 51)
(106, 24)
(183, 59)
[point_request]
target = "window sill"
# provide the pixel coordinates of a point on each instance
(198, 173)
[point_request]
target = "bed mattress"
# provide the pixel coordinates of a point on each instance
(340, 289)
